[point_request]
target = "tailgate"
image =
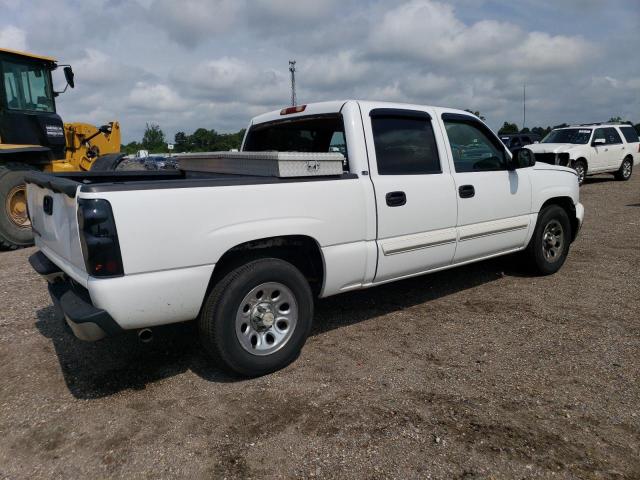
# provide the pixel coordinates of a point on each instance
(53, 212)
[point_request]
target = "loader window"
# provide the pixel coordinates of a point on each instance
(27, 87)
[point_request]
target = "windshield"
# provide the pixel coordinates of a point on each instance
(27, 86)
(568, 135)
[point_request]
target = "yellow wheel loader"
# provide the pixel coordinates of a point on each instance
(33, 137)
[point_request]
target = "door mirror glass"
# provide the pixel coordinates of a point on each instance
(599, 141)
(68, 75)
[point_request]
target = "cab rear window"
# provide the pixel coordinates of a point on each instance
(304, 134)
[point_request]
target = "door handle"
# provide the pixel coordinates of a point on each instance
(466, 191)
(396, 199)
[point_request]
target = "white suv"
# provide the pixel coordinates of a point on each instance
(591, 149)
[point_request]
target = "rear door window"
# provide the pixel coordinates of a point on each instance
(612, 136)
(404, 145)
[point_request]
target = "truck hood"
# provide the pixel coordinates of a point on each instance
(551, 147)
(546, 166)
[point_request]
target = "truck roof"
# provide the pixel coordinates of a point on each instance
(334, 106)
(27, 55)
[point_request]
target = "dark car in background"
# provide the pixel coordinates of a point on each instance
(518, 140)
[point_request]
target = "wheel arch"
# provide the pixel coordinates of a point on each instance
(566, 203)
(302, 251)
(584, 160)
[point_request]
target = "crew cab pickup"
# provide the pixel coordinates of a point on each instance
(591, 149)
(423, 189)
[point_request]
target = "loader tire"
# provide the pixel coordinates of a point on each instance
(15, 226)
(107, 163)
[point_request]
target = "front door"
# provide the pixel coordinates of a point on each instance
(415, 195)
(494, 203)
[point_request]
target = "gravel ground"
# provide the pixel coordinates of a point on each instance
(478, 372)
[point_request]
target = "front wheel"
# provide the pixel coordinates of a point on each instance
(581, 170)
(549, 245)
(624, 173)
(257, 318)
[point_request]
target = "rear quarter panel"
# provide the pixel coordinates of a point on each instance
(166, 229)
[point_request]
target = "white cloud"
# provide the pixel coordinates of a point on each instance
(430, 31)
(189, 22)
(13, 38)
(155, 97)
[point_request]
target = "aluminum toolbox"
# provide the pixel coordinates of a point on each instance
(267, 164)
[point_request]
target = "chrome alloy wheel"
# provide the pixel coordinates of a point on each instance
(266, 318)
(553, 241)
(626, 169)
(579, 168)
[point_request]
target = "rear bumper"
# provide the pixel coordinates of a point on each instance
(73, 301)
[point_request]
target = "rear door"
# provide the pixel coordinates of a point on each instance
(616, 149)
(414, 191)
(494, 203)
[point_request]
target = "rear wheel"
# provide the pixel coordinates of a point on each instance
(15, 226)
(581, 169)
(624, 173)
(257, 318)
(549, 245)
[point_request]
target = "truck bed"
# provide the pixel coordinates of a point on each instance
(95, 182)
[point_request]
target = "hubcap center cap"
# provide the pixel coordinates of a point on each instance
(262, 316)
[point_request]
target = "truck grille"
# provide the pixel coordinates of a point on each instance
(553, 158)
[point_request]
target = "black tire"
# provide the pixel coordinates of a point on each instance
(538, 252)
(12, 236)
(580, 166)
(107, 163)
(217, 322)
(626, 169)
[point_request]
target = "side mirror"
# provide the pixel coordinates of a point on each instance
(598, 141)
(68, 75)
(522, 158)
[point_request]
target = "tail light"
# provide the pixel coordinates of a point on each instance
(99, 238)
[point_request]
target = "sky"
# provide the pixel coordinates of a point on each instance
(216, 63)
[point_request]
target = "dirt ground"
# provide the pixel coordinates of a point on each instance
(478, 372)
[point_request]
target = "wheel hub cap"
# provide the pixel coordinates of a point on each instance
(16, 206)
(266, 318)
(262, 317)
(553, 241)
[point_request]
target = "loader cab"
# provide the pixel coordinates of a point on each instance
(27, 104)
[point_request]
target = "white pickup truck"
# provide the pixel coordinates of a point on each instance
(423, 189)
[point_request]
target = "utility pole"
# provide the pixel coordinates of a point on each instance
(524, 105)
(292, 69)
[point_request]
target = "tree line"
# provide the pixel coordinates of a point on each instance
(201, 140)
(508, 127)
